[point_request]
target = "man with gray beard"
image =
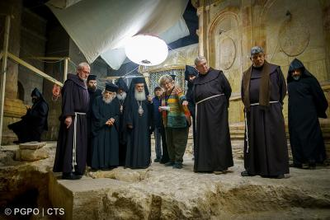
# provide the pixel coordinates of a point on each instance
(138, 125)
(121, 96)
(105, 128)
(71, 150)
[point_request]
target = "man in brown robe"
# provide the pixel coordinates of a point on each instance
(71, 150)
(263, 90)
(211, 92)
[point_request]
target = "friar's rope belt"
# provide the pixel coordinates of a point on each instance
(74, 147)
(203, 100)
(246, 124)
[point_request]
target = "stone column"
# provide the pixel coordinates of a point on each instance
(326, 28)
(13, 107)
(13, 8)
(200, 31)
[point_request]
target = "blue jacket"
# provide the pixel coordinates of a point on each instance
(157, 115)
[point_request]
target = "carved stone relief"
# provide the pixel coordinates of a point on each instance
(227, 52)
(293, 37)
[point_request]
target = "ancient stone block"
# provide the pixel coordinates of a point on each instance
(32, 155)
(33, 145)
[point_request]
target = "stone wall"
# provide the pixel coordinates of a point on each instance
(285, 29)
(228, 29)
(57, 46)
(33, 44)
(13, 107)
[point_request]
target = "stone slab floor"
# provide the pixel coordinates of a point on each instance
(161, 192)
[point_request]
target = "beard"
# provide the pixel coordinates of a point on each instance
(296, 77)
(108, 100)
(122, 96)
(140, 96)
(92, 88)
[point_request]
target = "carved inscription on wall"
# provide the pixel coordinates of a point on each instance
(227, 52)
(293, 37)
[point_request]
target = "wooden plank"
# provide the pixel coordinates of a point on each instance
(47, 58)
(32, 68)
(3, 72)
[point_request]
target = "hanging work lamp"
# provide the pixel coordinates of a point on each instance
(146, 50)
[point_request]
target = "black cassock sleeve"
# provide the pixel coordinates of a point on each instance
(320, 101)
(225, 86)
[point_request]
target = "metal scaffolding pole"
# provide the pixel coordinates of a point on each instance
(3, 72)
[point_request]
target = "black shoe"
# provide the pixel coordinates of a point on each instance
(157, 160)
(245, 173)
(305, 166)
(71, 176)
(281, 176)
(163, 161)
(218, 172)
(312, 166)
(168, 164)
(177, 165)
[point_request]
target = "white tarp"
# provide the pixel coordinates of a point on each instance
(62, 3)
(100, 26)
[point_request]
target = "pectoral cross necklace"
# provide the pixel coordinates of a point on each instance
(140, 110)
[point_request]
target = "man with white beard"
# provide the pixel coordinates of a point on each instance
(138, 125)
(121, 96)
(105, 128)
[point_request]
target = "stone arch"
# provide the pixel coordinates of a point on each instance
(223, 31)
(281, 36)
(224, 45)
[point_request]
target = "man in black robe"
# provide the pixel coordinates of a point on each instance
(263, 90)
(93, 93)
(71, 150)
(138, 125)
(34, 122)
(190, 74)
(307, 103)
(212, 91)
(121, 96)
(105, 142)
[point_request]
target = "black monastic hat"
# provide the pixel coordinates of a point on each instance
(138, 80)
(190, 70)
(91, 77)
(111, 87)
(121, 84)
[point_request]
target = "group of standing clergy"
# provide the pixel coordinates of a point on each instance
(113, 128)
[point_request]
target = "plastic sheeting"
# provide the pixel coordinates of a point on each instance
(101, 27)
(62, 3)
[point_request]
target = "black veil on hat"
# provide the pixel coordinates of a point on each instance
(308, 78)
(121, 84)
(37, 93)
(111, 87)
(297, 64)
(91, 77)
(137, 80)
(190, 70)
(130, 98)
